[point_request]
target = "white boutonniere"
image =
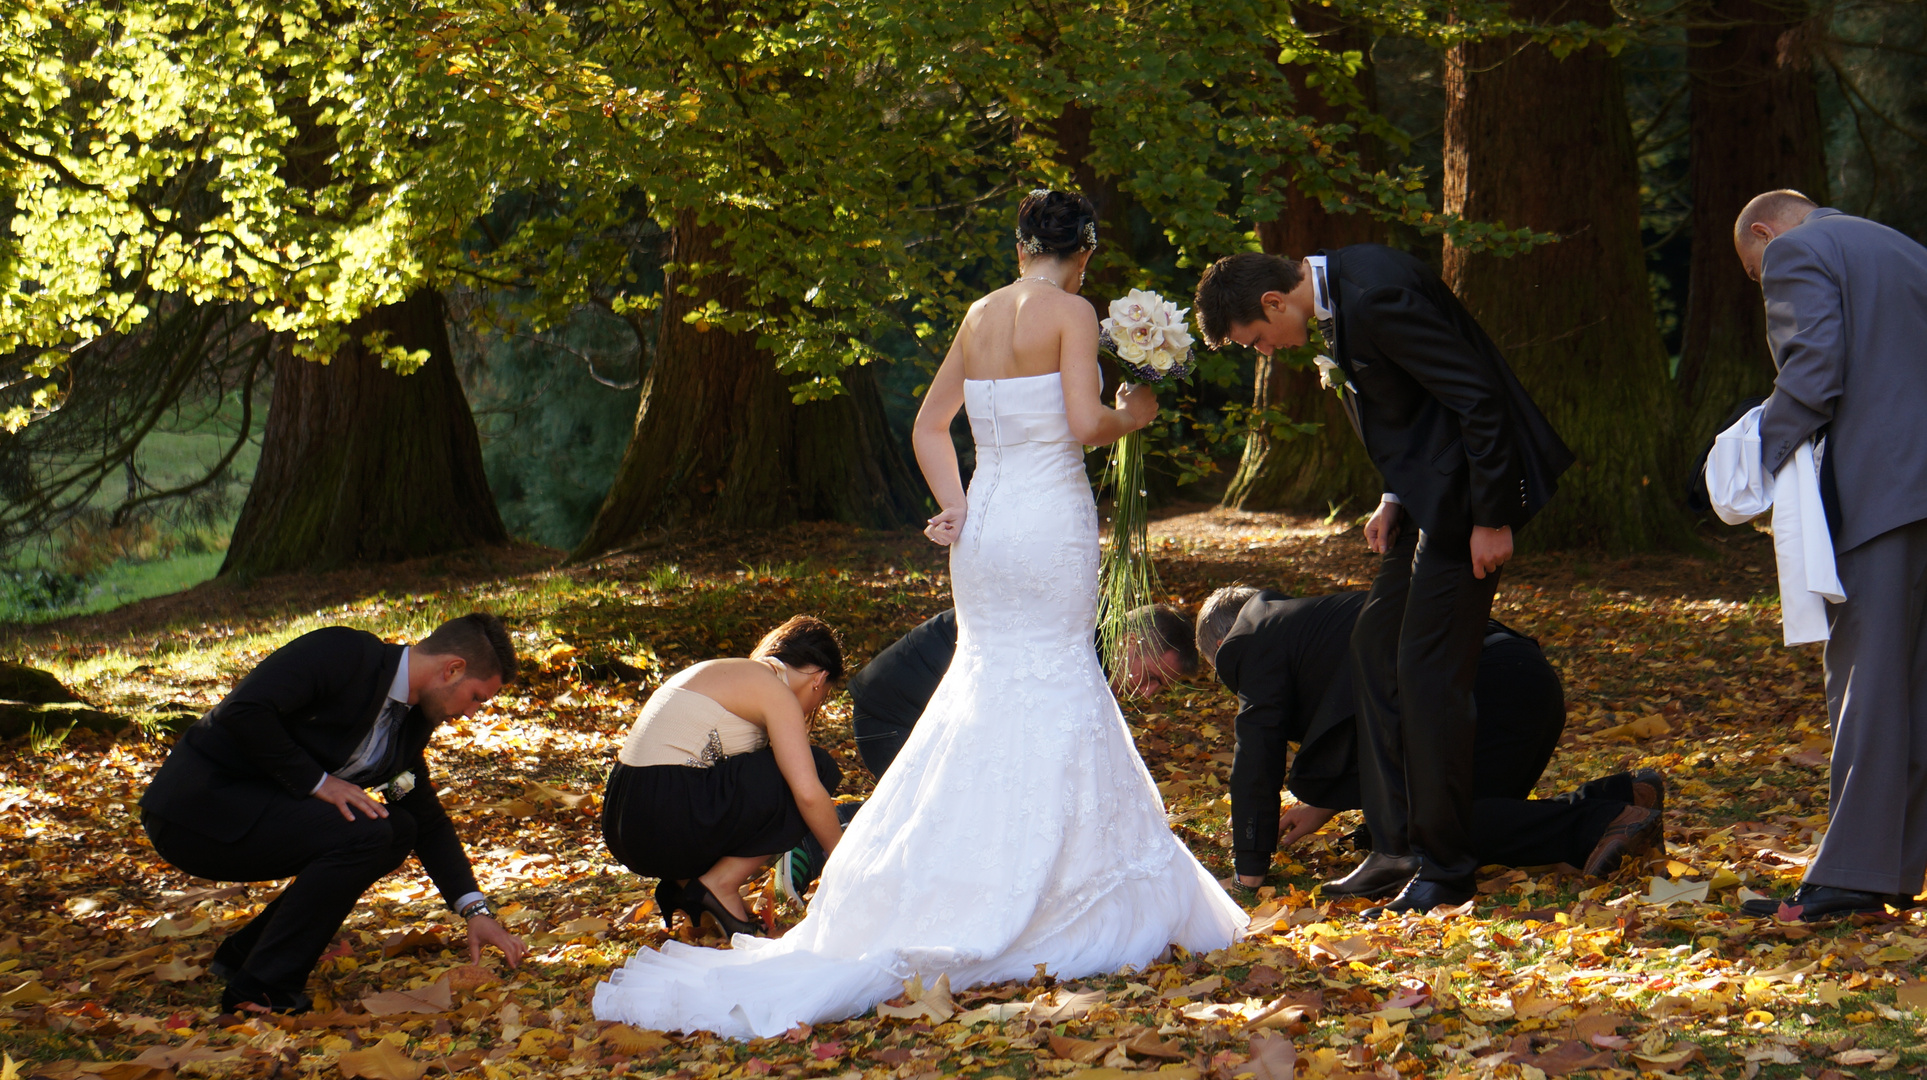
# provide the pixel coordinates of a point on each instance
(1330, 376)
(399, 787)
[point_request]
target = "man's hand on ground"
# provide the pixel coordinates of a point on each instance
(348, 798)
(1301, 821)
(484, 930)
(1382, 528)
(1491, 549)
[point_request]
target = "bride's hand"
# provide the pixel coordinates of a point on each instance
(946, 526)
(1140, 403)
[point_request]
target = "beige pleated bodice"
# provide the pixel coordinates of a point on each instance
(682, 727)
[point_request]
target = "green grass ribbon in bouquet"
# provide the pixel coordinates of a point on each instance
(1147, 337)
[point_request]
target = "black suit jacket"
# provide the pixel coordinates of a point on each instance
(898, 682)
(1441, 414)
(1289, 662)
(300, 714)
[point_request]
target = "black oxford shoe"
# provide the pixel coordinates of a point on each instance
(1420, 896)
(1378, 875)
(1813, 903)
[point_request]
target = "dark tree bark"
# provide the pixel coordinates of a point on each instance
(1532, 140)
(359, 464)
(719, 440)
(1327, 467)
(1755, 126)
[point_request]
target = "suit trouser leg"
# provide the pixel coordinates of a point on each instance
(1438, 665)
(1374, 656)
(1539, 832)
(1876, 654)
(332, 861)
(1521, 710)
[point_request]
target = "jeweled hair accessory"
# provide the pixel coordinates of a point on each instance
(1034, 246)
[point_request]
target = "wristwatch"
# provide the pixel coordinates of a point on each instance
(477, 906)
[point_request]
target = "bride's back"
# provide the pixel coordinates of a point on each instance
(1019, 331)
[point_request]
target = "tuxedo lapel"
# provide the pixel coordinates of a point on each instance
(1325, 291)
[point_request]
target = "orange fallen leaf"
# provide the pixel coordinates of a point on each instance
(632, 1040)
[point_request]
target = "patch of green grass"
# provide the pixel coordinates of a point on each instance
(121, 583)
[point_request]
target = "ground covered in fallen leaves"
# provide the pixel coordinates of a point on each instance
(1669, 661)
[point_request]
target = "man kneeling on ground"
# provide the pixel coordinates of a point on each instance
(1288, 660)
(278, 779)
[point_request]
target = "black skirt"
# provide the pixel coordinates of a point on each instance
(677, 821)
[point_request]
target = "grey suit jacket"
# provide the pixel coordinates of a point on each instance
(1846, 314)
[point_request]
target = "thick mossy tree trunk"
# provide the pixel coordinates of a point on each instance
(1328, 467)
(719, 439)
(1533, 140)
(1755, 126)
(359, 464)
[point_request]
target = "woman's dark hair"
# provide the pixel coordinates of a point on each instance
(1232, 291)
(804, 641)
(1056, 223)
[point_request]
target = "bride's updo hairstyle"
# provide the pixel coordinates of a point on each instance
(804, 641)
(1056, 223)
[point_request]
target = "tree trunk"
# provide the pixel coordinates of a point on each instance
(719, 439)
(1327, 468)
(1755, 127)
(1532, 140)
(359, 464)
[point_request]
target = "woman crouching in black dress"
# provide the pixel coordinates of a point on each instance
(718, 775)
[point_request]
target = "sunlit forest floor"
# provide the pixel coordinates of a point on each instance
(1672, 662)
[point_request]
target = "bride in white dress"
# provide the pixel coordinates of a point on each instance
(1018, 825)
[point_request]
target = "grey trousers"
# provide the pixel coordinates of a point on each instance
(1877, 701)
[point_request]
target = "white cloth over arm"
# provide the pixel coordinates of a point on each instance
(1740, 490)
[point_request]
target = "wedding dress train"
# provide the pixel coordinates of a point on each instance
(1018, 825)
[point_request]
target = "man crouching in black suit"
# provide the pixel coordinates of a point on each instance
(276, 781)
(1285, 658)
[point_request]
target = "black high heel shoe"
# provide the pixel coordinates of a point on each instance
(669, 901)
(697, 901)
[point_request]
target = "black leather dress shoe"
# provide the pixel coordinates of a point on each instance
(1812, 903)
(1378, 875)
(243, 992)
(1421, 896)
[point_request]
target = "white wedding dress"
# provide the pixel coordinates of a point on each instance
(1018, 825)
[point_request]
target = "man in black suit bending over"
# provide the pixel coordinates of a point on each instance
(1466, 458)
(1288, 661)
(278, 779)
(889, 694)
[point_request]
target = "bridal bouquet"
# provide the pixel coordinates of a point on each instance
(1147, 337)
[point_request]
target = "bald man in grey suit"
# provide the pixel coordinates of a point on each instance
(1846, 306)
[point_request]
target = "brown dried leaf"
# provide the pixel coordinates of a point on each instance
(437, 997)
(380, 1061)
(1273, 1057)
(409, 941)
(1082, 1051)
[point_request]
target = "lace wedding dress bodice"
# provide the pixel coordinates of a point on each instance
(1017, 826)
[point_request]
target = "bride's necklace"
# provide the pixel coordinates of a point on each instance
(1034, 277)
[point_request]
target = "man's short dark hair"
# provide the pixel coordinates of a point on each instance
(1216, 617)
(1232, 291)
(478, 638)
(1167, 629)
